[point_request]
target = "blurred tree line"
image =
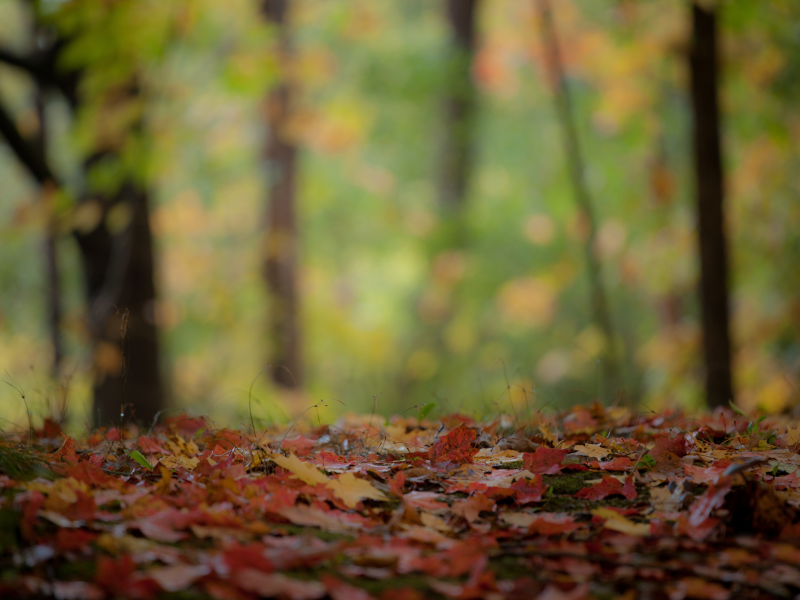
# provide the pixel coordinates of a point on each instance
(467, 202)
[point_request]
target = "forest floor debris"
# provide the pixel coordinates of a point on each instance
(594, 502)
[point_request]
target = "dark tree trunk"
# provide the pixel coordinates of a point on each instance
(118, 270)
(710, 197)
(459, 107)
(599, 297)
(120, 288)
(281, 243)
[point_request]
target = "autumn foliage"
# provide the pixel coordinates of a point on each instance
(591, 503)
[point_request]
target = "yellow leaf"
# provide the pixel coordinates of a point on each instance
(792, 436)
(302, 470)
(179, 446)
(617, 522)
(434, 522)
(629, 527)
(352, 490)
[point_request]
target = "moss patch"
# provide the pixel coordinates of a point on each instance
(569, 484)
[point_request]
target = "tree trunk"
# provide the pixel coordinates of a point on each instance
(710, 197)
(120, 289)
(281, 243)
(459, 108)
(599, 297)
(118, 270)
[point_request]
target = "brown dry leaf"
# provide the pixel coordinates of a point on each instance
(490, 457)
(353, 490)
(518, 519)
(174, 461)
(302, 470)
(664, 500)
(592, 450)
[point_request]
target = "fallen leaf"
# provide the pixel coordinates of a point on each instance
(275, 585)
(313, 517)
(592, 450)
(178, 577)
(609, 486)
(339, 590)
(173, 461)
(302, 470)
(700, 589)
(545, 461)
(792, 436)
(471, 507)
(618, 522)
(352, 490)
(455, 446)
(518, 519)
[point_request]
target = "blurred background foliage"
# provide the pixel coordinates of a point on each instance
(390, 310)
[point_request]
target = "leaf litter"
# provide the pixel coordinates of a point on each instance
(594, 502)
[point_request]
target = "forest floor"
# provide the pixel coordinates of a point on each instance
(594, 502)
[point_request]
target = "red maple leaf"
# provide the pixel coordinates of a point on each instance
(713, 498)
(676, 445)
(787, 481)
(339, 590)
(553, 524)
(73, 540)
(456, 446)
(396, 484)
(300, 445)
(185, 425)
(608, 487)
(117, 578)
(545, 461)
(67, 452)
(697, 532)
(621, 463)
(250, 556)
(528, 491)
(150, 446)
(472, 507)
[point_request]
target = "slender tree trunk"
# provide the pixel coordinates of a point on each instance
(599, 296)
(710, 198)
(281, 243)
(459, 108)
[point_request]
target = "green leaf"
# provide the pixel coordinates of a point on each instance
(646, 462)
(139, 458)
(426, 409)
(736, 409)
